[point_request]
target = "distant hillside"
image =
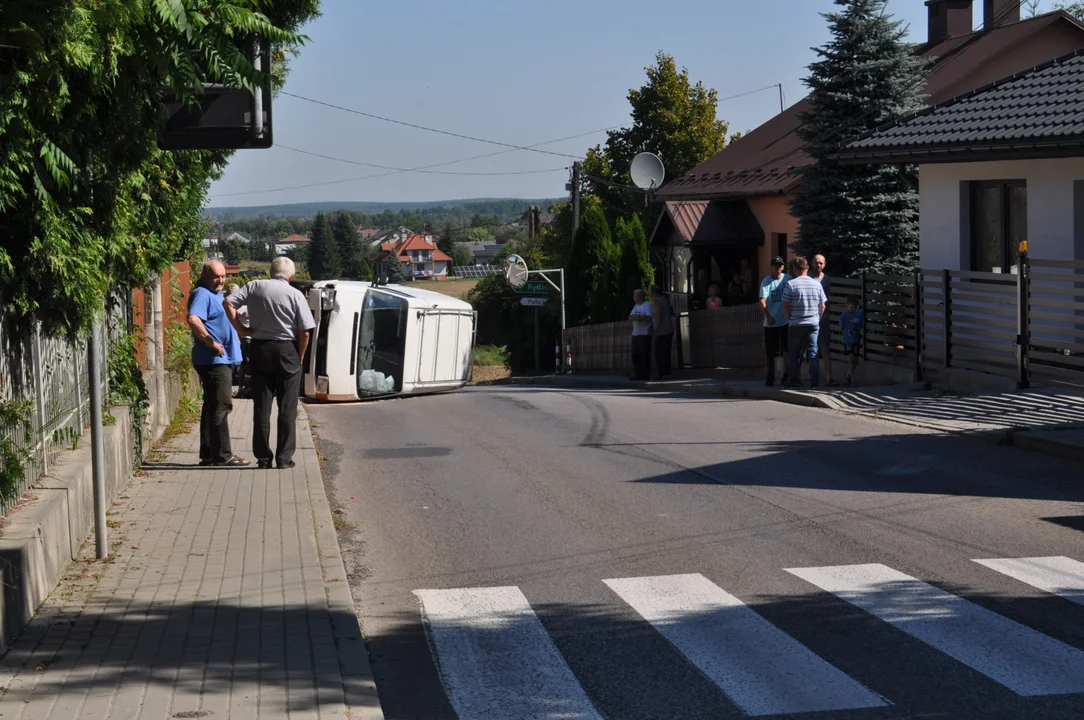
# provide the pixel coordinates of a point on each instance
(501, 207)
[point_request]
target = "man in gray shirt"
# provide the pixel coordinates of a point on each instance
(280, 322)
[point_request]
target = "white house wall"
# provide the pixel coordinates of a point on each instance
(1055, 208)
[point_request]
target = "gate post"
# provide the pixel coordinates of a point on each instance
(1023, 336)
(865, 330)
(946, 299)
(917, 294)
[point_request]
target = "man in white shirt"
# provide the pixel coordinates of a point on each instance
(641, 335)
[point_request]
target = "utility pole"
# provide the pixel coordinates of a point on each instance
(94, 370)
(575, 203)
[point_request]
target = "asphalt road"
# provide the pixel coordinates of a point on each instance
(540, 553)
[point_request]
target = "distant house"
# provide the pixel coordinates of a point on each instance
(289, 243)
(210, 243)
(392, 235)
(237, 236)
(482, 252)
(366, 234)
(754, 178)
(997, 166)
(421, 252)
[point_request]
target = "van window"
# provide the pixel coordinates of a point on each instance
(381, 344)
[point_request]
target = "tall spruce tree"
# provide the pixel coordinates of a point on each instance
(636, 270)
(351, 259)
(324, 262)
(864, 218)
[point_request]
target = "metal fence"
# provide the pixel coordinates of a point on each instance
(51, 374)
(1026, 326)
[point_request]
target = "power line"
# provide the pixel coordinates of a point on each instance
(427, 172)
(773, 86)
(419, 169)
(429, 129)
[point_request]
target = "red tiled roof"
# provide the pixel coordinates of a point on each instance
(295, 238)
(414, 241)
(763, 162)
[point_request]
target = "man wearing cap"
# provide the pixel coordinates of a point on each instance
(775, 321)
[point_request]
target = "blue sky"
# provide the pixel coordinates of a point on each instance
(513, 72)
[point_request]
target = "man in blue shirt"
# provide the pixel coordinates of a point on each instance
(775, 321)
(804, 302)
(215, 350)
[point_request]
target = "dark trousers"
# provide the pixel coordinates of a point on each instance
(775, 345)
(641, 356)
(276, 374)
(214, 426)
(662, 354)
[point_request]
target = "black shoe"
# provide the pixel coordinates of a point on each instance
(263, 465)
(204, 462)
(286, 464)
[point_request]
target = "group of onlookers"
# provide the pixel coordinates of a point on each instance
(797, 324)
(652, 318)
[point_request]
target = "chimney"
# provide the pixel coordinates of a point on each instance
(951, 18)
(997, 13)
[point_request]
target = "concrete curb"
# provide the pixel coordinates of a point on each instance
(359, 686)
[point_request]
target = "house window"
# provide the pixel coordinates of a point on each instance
(781, 245)
(999, 223)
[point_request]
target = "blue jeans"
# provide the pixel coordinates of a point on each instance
(803, 338)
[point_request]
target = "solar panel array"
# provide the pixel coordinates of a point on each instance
(476, 271)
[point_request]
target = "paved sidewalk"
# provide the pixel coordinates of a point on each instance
(225, 597)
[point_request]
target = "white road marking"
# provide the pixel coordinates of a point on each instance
(761, 668)
(1022, 659)
(1058, 575)
(496, 659)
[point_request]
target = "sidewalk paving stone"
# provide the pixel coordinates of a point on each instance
(225, 597)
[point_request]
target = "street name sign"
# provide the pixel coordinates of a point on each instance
(534, 287)
(532, 302)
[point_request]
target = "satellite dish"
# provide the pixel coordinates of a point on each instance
(647, 171)
(516, 272)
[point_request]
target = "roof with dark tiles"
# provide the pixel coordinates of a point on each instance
(1037, 111)
(763, 161)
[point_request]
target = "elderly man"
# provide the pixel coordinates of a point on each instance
(280, 322)
(215, 350)
(641, 335)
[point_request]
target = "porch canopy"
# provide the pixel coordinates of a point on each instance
(1038, 113)
(707, 222)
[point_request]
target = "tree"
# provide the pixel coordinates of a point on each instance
(461, 256)
(863, 217)
(234, 251)
(636, 271)
(446, 241)
(672, 118)
(324, 261)
(78, 76)
(355, 266)
(397, 270)
(591, 290)
(1076, 9)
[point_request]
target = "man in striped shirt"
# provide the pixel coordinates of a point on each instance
(804, 303)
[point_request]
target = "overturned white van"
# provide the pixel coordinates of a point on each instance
(374, 342)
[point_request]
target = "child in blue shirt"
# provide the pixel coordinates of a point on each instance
(851, 322)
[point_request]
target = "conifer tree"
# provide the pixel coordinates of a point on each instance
(324, 262)
(864, 218)
(591, 291)
(351, 259)
(636, 270)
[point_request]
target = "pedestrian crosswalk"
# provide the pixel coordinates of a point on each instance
(496, 659)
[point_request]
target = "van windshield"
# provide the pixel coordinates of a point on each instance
(381, 344)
